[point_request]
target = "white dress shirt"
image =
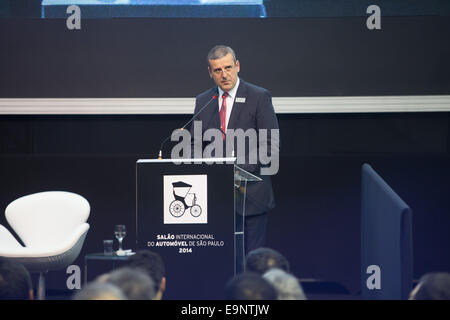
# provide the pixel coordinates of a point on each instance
(230, 100)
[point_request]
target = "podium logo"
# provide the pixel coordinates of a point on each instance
(185, 199)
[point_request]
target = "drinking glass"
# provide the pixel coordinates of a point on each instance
(120, 231)
(108, 247)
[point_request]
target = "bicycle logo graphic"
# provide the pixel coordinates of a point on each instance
(184, 200)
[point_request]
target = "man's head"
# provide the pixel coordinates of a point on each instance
(99, 291)
(249, 286)
(152, 264)
(223, 67)
(134, 283)
(15, 281)
(432, 286)
(286, 285)
(262, 259)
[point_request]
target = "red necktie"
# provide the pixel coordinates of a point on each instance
(223, 114)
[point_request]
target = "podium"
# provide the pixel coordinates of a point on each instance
(191, 212)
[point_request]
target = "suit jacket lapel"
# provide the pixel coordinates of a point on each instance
(238, 106)
(212, 113)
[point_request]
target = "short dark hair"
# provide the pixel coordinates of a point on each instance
(151, 263)
(134, 283)
(220, 51)
(433, 286)
(262, 259)
(15, 281)
(249, 286)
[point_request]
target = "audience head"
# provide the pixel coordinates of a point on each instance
(249, 286)
(134, 283)
(286, 285)
(15, 281)
(432, 286)
(262, 259)
(99, 291)
(152, 264)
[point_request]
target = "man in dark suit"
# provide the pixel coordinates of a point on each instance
(241, 105)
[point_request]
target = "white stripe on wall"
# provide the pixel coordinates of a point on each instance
(370, 104)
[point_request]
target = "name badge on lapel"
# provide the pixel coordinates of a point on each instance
(240, 100)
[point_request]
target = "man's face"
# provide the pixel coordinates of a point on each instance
(224, 72)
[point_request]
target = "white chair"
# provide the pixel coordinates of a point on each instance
(52, 225)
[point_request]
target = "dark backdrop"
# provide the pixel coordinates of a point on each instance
(167, 57)
(316, 221)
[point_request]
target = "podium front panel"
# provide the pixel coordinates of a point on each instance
(185, 213)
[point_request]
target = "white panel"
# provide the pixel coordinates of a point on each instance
(186, 105)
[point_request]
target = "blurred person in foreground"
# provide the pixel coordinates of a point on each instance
(15, 281)
(99, 291)
(432, 286)
(153, 265)
(249, 286)
(286, 285)
(261, 260)
(134, 283)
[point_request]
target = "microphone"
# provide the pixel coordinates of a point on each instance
(214, 97)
